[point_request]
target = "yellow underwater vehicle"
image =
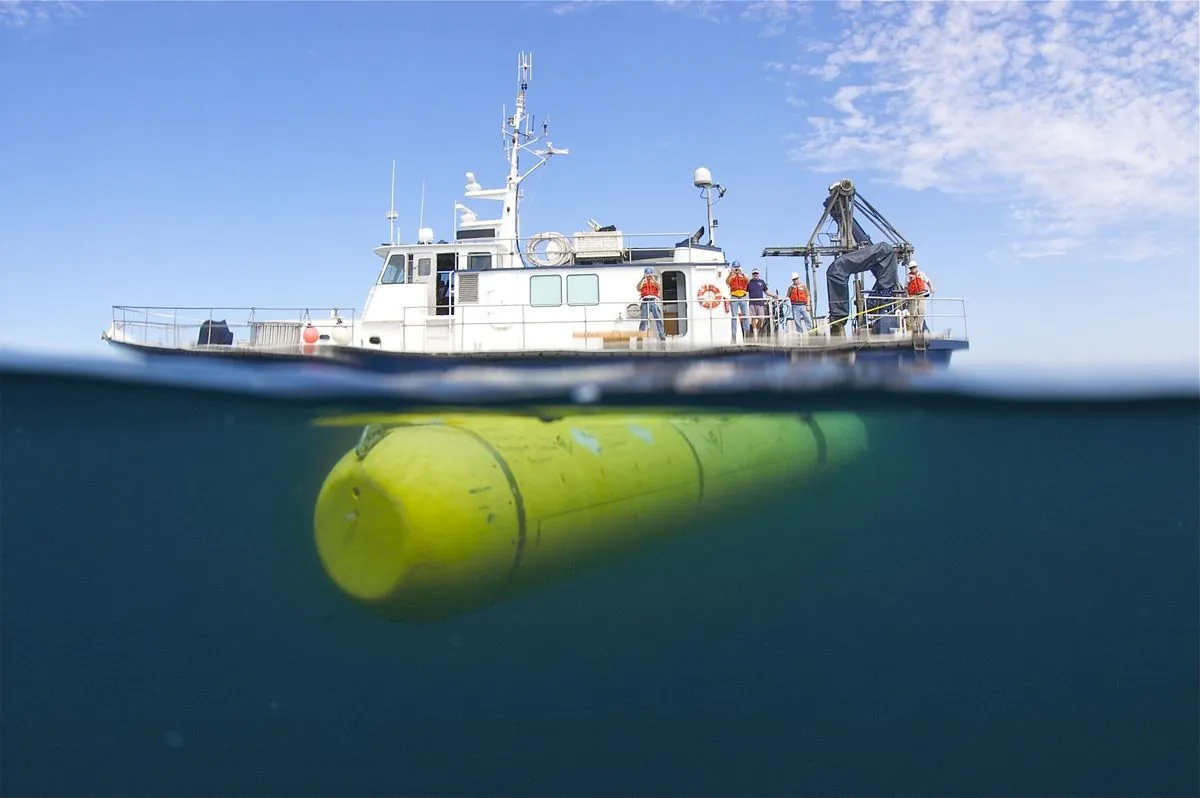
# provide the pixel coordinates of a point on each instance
(428, 517)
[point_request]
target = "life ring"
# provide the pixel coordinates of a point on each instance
(709, 296)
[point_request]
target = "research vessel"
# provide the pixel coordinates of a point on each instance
(485, 291)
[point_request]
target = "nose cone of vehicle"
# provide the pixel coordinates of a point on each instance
(361, 533)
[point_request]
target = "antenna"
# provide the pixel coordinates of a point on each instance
(421, 222)
(702, 179)
(524, 68)
(391, 214)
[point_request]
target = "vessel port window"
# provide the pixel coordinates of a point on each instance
(545, 291)
(583, 289)
(393, 272)
(479, 261)
(424, 267)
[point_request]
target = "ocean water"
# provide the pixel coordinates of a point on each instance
(998, 597)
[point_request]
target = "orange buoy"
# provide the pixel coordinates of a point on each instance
(310, 337)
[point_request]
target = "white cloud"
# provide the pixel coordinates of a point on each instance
(710, 10)
(774, 14)
(577, 5)
(21, 13)
(1078, 115)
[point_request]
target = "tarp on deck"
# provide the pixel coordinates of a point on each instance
(879, 259)
(215, 332)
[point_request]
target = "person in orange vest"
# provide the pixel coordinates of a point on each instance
(918, 288)
(650, 292)
(738, 302)
(798, 295)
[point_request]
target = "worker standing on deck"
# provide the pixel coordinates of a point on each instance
(757, 290)
(918, 288)
(738, 303)
(798, 296)
(650, 293)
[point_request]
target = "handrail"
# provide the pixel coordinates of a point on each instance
(677, 237)
(572, 326)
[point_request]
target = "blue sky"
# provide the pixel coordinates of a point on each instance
(1043, 158)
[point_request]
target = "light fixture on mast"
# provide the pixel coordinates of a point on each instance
(702, 179)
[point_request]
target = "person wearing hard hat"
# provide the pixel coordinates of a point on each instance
(651, 292)
(738, 303)
(798, 297)
(918, 289)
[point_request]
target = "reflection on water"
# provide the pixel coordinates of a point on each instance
(922, 596)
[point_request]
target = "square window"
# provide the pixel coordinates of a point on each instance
(545, 290)
(583, 289)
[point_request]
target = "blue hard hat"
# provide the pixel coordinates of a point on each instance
(649, 270)
(736, 265)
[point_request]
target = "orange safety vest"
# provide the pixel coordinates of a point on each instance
(737, 284)
(648, 287)
(798, 294)
(917, 286)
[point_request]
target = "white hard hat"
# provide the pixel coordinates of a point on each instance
(912, 264)
(795, 276)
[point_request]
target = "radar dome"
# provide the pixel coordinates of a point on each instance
(702, 178)
(425, 235)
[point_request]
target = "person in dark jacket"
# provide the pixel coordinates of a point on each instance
(757, 290)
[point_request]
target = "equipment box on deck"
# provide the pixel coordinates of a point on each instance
(599, 245)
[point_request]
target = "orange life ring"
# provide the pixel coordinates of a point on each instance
(709, 296)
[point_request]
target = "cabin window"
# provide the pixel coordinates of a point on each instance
(479, 261)
(424, 267)
(583, 289)
(545, 291)
(393, 272)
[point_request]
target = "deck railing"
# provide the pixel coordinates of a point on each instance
(574, 245)
(617, 325)
(515, 328)
(264, 329)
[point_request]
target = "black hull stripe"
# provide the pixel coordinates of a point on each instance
(518, 500)
(819, 437)
(699, 465)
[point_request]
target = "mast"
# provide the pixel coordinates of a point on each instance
(392, 216)
(517, 135)
(517, 128)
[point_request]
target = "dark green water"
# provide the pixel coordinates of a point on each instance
(1002, 599)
